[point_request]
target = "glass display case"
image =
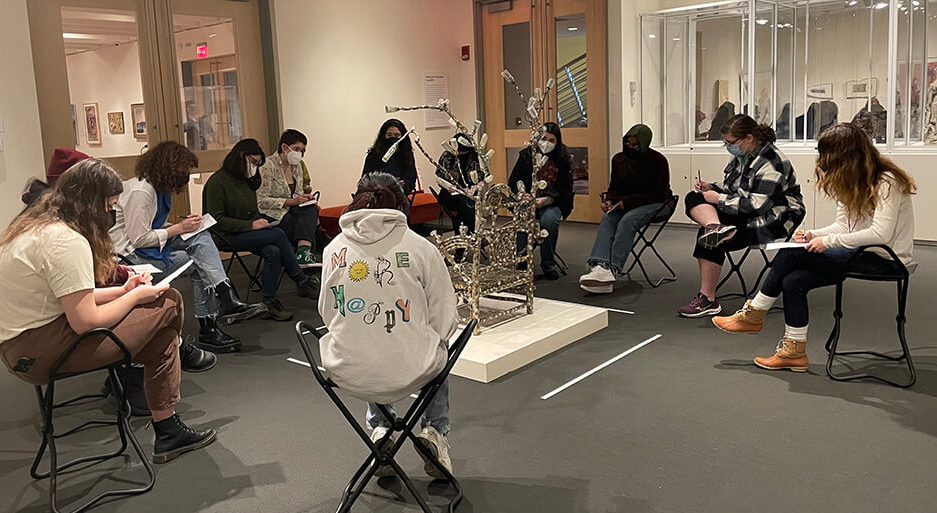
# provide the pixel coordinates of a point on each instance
(798, 66)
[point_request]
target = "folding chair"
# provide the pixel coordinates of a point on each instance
(735, 268)
(869, 266)
(403, 425)
(443, 210)
(253, 278)
(662, 217)
(47, 407)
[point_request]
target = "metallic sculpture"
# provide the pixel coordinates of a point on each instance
(487, 262)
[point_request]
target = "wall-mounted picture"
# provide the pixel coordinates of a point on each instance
(138, 118)
(74, 123)
(115, 122)
(821, 91)
(92, 123)
(862, 88)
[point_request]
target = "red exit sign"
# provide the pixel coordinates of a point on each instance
(201, 50)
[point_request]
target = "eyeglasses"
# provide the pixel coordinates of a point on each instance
(726, 144)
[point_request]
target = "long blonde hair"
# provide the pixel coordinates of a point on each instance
(78, 199)
(850, 170)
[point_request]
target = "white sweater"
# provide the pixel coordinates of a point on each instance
(388, 304)
(891, 224)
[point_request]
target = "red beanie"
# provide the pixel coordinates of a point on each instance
(62, 159)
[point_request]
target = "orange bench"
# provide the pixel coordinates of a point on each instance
(423, 210)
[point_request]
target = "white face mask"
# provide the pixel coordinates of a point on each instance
(294, 157)
(546, 146)
(251, 169)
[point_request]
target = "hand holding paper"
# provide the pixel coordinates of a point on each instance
(207, 222)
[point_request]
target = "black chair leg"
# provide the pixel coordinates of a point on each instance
(736, 270)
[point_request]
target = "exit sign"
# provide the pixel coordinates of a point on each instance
(201, 50)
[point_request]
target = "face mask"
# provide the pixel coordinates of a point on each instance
(392, 139)
(631, 153)
(294, 157)
(111, 218)
(251, 169)
(546, 146)
(735, 150)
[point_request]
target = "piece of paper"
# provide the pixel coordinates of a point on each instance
(207, 222)
(175, 274)
(145, 268)
(435, 88)
(310, 202)
(771, 246)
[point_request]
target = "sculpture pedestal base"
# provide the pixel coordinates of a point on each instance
(512, 344)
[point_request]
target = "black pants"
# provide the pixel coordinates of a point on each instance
(744, 237)
(301, 223)
(460, 206)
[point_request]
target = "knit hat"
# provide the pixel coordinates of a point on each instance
(62, 159)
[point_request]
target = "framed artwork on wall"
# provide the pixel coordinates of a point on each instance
(138, 118)
(92, 123)
(74, 124)
(115, 122)
(821, 91)
(862, 88)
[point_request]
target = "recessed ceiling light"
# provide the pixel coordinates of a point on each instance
(652, 36)
(676, 39)
(761, 21)
(572, 28)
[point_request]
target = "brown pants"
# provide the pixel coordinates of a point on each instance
(150, 332)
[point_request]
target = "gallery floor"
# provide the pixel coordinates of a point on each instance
(685, 424)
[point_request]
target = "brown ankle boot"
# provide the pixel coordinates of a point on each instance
(746, 320)
(790, 354)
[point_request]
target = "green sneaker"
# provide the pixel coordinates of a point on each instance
(305, 258)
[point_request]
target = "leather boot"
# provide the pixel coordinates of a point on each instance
(211, 338)
(232, 308)
(173, 438)
(746, 320)
(790, 354)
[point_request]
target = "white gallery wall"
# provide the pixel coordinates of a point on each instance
(20, 137)
(340, 63)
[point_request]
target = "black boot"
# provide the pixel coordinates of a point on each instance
(309, 287)
(232, 308)
(173, 438)
(133, 388)
(211, 338)
(194, 359)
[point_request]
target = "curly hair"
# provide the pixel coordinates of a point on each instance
(166, 166)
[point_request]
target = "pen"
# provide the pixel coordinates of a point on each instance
(699, 176)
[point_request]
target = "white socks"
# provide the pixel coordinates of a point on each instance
(795, 334)
(763, 302)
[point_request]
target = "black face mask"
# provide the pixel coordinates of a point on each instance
(392, 139)
(631, 153)
(111, 218)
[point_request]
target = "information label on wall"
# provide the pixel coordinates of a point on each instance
(435, 88)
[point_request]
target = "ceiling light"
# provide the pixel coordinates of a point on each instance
(881, 5)
(652, 36)
(676, 39)
(915, 3)
(72, 35)
(761, 21)
(853, 2)
(572, 28)
(212, 35)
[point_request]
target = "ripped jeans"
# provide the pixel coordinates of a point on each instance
(206, 273)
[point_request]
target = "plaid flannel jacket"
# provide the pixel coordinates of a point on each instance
(765, 192)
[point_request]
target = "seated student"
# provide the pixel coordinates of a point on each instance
(401, 165)
(470, 176)
(758, 201)
(874, 206)
(284, 186)
(50, 257)
(143, 235)
(230, 196)
(639, 187)
(390, 309)
(553, 203)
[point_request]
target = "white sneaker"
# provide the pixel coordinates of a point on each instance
(376, 435)
(599, 281)
(438, 446)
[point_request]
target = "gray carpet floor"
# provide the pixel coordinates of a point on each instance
(685, 424)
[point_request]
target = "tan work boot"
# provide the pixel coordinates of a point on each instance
(790, 354)
(746, 320)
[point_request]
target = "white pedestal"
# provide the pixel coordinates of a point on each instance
(515, 343)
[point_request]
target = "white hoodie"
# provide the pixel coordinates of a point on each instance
(388, 304)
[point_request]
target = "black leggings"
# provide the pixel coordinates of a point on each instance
(301, 223)
(743, 238)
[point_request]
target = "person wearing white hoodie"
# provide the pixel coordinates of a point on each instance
(389, 306)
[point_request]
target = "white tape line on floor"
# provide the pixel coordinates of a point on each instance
(306, 364)
(600, 367)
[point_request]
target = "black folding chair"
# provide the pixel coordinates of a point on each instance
(445, 211)
(662, 217)
(865, 265)
(47, 407)
(404, 425)
(735, 269)
(253, 278)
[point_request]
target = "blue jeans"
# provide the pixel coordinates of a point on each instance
(206, 273)
(272, 245)
(436, 414)
(615, 237)
(795, 272)
(550, 217)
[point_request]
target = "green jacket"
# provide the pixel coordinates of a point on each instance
(231, 201)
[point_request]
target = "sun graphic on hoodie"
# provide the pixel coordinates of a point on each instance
(358, 271)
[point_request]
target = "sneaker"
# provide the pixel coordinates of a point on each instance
(715, 234)
(790, 354)
(173, 438)
(305, 258)
(194, 359)
(599, 280)
(276, 311)
(308, 288)
(746, 320)
(376, 435)
(700, 306)
(438, 446)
